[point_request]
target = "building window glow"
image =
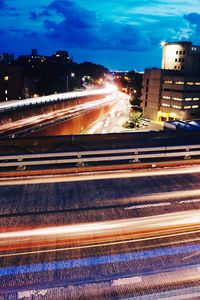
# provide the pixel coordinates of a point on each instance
(195, 106)
(6, 78)
(178, 99)
(187, 107)
(179, 82)
(165, 105)
(190, 83)
(188, 99)
(176, 106)
(167, 81)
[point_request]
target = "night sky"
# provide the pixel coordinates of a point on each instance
(120, 34)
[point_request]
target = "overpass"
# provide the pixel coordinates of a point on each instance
(18, 115)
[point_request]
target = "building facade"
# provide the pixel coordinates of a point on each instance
(183, 57)
(173, 92)
(11, 83)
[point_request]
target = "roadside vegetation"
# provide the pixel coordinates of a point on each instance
(136, 118)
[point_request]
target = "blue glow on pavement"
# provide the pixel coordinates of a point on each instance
(98, 260)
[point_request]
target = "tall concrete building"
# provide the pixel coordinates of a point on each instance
(182, 56)
(173, 92)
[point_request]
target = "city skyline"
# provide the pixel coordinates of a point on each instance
(118, 35)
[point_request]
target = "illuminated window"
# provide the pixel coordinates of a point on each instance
(6, 92)
(187, 107)
(167, 81)
(188, 99)
(190, 83)
(179, 82)
(178, 99)
(195, 99)
(197, 83)
(195, 106)
(176, 106)
(165, 105)
(166, 97)
(6, 78)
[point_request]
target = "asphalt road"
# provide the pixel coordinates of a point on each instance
(101, 238)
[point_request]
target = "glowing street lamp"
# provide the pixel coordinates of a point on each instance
(72, 75)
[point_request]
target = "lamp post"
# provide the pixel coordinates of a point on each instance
(72, 75)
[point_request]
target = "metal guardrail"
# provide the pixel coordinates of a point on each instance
(111, 155)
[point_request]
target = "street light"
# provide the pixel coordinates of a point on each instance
(72, 75)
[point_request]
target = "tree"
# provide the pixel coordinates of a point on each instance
(135, 118)
(134, 99)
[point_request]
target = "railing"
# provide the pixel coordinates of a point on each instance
(112, 156)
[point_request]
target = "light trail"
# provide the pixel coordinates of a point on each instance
(101, 175)
(59, 114)
(111, 122)
(120, 242)
(109, 227)
(109, 88)
(98, 232)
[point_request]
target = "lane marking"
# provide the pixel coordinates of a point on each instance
(148, 205)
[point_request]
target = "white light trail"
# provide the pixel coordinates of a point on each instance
(109, 88)
(186, 218)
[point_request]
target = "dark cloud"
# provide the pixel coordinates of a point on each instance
(25, 33)
(2, 4)
(6, 10)
(31, 34)
(194, 21)
(83, 28)
(193, 18)
(33, 16)
(75, 16)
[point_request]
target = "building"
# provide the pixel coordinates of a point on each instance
(7, 58)
(11, 83)
(173, 92)
(182, 56)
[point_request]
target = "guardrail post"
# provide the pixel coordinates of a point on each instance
(136, 159)
(20, 167)
(80, 163)
(187, 156)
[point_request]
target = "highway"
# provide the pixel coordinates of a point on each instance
(16, 104)
(130, 234)
(40, 121)
(114, 120)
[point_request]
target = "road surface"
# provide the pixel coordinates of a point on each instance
(102, 237)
